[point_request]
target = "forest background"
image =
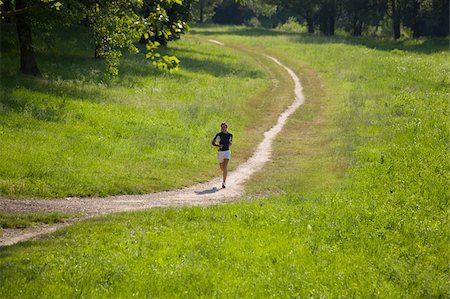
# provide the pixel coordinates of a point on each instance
(117, 24)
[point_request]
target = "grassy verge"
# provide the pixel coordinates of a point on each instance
(24, 220)
(358, 205)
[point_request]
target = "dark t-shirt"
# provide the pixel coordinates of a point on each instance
(224, 139)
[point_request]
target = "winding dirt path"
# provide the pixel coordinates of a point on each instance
(198, 195)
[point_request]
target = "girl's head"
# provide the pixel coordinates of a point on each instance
(224, 126)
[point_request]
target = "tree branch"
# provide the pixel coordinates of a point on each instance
(17, 12)
(25, 10)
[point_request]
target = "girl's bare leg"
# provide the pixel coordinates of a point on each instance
(224, 167)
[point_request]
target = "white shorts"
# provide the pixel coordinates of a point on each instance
(222, 155)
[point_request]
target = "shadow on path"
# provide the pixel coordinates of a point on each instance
(207, 191)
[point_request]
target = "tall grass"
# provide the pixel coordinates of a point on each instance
(357, 203)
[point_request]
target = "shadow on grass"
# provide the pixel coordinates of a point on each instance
(204, 62)
(422, 45)
(216, 68)
(75, 75)
(43, 99)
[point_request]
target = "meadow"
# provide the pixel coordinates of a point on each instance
(77, 132)
(353, 204)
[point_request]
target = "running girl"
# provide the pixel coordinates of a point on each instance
(224, 139)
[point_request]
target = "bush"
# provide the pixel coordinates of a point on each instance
(292, 25)
(253, 22)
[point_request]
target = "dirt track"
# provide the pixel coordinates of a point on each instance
(198, 195)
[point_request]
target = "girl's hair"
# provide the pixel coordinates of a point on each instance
(224, 124)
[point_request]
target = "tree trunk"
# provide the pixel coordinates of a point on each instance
(417, 29)
(28, 63)
(332, 17)
(310, 24)
(331, 24)
(323, 22)
(202, 9)
(395, 19)
(327, 17)
(416, 23)
(357, 26)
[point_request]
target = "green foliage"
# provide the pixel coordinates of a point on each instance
(116, 25)
(422, 18)
(203, 10)
(260, 8)
(292, 25)
(173, 24)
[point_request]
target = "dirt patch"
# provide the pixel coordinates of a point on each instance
(198, 195)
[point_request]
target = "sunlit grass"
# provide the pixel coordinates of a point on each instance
(290, 246)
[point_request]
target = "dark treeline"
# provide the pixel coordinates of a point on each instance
(421, 17)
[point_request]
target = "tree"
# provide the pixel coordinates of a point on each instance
(259, 7)
(423, 17)
(426, 17)
(28, 64)
(232, 12)
(21, 11)
(308, 9)
(202, 10)
(359, 12)
(327, 16)
(116, 25)
(395, 15)
(176, 22)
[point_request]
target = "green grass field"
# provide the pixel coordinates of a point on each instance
(353, 204)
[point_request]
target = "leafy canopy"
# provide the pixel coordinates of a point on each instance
(117, 25)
